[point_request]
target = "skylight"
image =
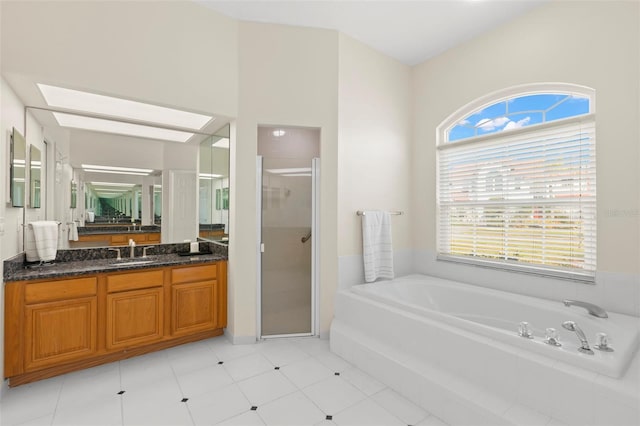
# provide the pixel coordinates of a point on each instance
(120, 128)
(115, 107)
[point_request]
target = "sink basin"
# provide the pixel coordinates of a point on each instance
(130, 263)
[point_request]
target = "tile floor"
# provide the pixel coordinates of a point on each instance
(275, 382)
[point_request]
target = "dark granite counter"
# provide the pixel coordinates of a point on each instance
(121, 229)
(70, 263)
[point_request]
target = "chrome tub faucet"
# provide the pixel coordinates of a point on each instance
(572, 326)
(594, 310)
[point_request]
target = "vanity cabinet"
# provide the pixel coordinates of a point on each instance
(134, 308)
(196, 297)
(119, 239)
(59, 322)
(57, 326)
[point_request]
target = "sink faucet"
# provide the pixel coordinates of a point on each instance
(132, 248)
(572, 326)
(594, 310)
(117, 251)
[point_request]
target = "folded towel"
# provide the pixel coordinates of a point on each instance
(73, 231)
(377, 248)
(45, 239)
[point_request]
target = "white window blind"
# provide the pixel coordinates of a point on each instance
(523, 200)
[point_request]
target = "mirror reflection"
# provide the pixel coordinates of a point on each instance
(35, 176)
(213, 182)
(17, 172)
(106, 185)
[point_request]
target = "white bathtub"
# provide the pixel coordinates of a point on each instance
(447, 338)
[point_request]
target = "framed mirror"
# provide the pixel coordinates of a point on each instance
(17, 168)
(35, 177)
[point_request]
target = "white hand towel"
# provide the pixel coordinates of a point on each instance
(377, 247)
(73, 231)
(45, 234)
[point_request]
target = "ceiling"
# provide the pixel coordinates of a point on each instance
(409, 31)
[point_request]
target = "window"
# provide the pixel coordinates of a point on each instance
(517, 182)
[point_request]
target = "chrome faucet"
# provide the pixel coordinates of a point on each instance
(572, 326)
(132, 247)
(117, 251)
(594, 310)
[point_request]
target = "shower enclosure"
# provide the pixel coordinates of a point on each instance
(288, 187)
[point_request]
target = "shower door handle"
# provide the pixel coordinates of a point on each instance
(306, 237)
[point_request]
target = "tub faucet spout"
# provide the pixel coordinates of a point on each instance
(572, 326)
(594, 310)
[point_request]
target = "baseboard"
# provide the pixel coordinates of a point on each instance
(239, 340)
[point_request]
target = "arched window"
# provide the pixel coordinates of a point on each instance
(517, 181)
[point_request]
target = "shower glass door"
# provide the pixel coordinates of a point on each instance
(287, 210)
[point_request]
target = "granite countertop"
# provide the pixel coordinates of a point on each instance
(74, 263)
(110, 230)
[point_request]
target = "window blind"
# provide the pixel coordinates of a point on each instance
(523, 199)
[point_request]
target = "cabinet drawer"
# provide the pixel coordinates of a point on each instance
(60, 290)
(135, 280)
(193, 273)
(153, 238)
(119, 239)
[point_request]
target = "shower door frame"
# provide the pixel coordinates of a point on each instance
(315, 252)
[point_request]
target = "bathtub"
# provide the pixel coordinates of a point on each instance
(454, 349)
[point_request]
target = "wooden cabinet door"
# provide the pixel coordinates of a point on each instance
(193, 307)
(58, 332)
(134, 317)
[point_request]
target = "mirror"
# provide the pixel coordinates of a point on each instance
(213, 183)
(17, 168)
(138, 161)
(35, 176)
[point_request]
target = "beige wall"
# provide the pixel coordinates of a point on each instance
(595, 44)
(374, 133)
(288, 76)
(175, 53)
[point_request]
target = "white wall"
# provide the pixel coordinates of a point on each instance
(179, 53)
(374, 154)
(595, 44)
(288, 76)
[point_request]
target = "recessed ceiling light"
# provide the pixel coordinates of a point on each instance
(128, 185)
(278, 132)
(122, 108)
(115, 168)
(209, 176)
(120, 128)
(290, 170)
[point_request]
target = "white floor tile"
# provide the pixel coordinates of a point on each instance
(366, 413)
(91, 386)
(399, 406)
(306, 372)
(333, 394)
(30, 401)
(266, 387)
(40, 421)
(281, 353)
(294, 410)
(325, 423)
(333, 362)
(225, 351)
(165, 391)
(135, 373)
(247, 366)
(432, 421)
(217, 406)
(364, 382)
(170, 414)
(250, 418)
(521, 415)
(312, 345)
(107, 411)
(203, 380)
(186, 361)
